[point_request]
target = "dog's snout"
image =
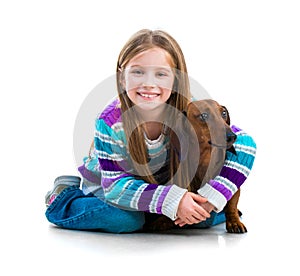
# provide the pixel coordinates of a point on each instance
(230, 137)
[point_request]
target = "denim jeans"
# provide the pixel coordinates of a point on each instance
(73, 209)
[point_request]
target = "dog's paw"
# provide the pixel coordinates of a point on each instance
(235, 226)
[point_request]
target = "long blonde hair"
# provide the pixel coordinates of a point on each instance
(141, 41)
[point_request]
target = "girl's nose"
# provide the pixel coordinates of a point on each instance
(149, 80)
(148, 85)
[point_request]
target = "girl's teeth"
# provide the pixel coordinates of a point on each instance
(148, 96)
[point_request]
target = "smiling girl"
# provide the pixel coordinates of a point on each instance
(129, 170)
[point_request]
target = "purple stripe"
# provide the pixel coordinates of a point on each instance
(236, 177)
(221, 188)
(162, 198)
(111, 114)
(146, 197)
(109, 165)
(89, 175)
(106, 182)
(235, 129)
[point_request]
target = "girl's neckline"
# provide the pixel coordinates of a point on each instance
(154, 141)
(153, 130)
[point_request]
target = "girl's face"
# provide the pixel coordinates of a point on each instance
(149, 78)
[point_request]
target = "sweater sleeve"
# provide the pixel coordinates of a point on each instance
(235, 171)
(121, 187)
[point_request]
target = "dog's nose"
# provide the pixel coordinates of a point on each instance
(230, 137)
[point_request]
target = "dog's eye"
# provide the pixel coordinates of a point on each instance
(203, 116)
(224, 114)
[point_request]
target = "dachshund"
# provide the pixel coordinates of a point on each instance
(209, 122)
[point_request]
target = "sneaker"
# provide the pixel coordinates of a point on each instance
(61, 183)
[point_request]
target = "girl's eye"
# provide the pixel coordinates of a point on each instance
(161, 74)
(137, 72)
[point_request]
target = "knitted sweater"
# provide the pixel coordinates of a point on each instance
(109, 166)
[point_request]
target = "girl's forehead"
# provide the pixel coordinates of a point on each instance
(152, 57)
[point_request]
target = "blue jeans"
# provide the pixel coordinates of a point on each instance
(72, 209)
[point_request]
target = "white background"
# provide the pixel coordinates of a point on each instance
(53, 53)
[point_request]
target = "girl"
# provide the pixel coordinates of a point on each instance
(129, 171)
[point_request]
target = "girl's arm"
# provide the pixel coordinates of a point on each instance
(234, 172)
(121, 187)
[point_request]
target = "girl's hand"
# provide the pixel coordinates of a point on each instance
(190, 210)
(208, 206)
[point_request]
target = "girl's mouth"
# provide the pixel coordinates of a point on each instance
(148, 95)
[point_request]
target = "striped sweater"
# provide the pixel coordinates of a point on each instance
(108, 167)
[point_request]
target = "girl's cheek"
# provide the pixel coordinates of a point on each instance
(130, 85)
(167, 85)
(133, 82)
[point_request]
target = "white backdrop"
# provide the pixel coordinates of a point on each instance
(54, 53)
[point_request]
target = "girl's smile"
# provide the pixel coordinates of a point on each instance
(146, 95)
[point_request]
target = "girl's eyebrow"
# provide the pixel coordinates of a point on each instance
(156, 67)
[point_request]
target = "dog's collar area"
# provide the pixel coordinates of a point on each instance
(217, 146)
(230, 149)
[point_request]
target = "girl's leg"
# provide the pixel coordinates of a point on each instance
(215, 219)
(73, 209)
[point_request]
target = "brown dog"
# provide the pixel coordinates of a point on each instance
(211, 123)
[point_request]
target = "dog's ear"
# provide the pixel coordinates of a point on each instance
(228, 116)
